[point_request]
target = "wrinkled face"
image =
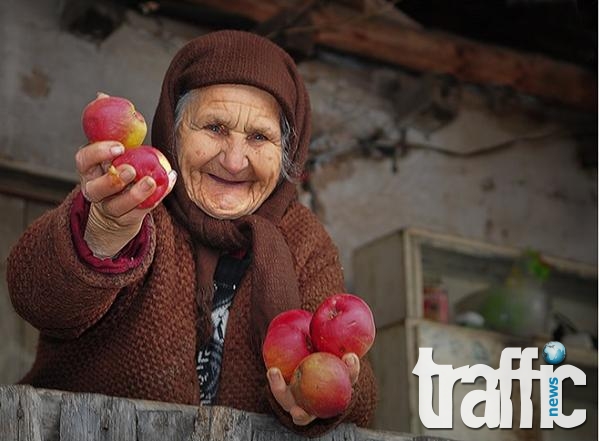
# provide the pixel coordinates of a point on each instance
(229, 149)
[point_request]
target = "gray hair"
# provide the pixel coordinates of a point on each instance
(288, 168)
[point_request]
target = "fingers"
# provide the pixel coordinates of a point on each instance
(172, 178)
(89, 159)
(108, 184)
(93, 160)
(284, 397)
(352, 361)
(128, 200)
(279, 389)
(300, 416)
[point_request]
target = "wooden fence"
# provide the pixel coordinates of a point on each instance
(28, 414)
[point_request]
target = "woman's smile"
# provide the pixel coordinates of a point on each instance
(226, 181)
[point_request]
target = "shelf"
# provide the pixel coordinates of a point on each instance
(391, 274)
(579, 357)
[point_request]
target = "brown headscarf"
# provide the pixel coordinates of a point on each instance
(235, 57)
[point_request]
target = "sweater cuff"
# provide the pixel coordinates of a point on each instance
(128, 258)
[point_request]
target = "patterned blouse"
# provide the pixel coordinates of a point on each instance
(229, 271)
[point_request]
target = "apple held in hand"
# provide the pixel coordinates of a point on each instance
(343, 323)
(113, 118)
(147, 161)
(287, 341)
(299, 318)
(321, 385)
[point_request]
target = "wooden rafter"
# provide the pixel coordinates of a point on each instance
(371, 36)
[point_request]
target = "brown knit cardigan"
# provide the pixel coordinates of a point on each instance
(133, 334)
(131, 327)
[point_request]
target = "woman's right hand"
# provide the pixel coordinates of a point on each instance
(114, 217)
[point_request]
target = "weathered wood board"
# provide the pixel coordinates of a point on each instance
(29, 414)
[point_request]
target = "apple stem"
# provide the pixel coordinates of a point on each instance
(114, 174)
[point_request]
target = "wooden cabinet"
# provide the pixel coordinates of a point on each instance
(392, 274)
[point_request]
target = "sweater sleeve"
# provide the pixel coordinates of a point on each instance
(128, 258)
(320, 275)
(58, 289)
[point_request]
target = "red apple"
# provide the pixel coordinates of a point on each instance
(293, 317)
(343, 323)
(321, 385)
(113, 118)
(147, 161)
(287, 341)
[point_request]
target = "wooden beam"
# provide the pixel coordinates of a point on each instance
(369, 36)
(256, 10)
(464, 59)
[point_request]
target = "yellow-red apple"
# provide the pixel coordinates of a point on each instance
(113, 118)
(321, 385)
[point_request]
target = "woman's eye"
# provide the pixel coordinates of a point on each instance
(215, 128)
(258, 137)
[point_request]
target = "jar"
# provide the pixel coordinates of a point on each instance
(436, 303)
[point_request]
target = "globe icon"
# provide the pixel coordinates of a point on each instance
(554, 352)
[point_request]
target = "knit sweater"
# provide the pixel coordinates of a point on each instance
(131, 331)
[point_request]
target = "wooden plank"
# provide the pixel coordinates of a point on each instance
(384, 9)
(50, 416)
(97, 417)
(267, 428)
(366, 35)
(19, 414)
(229, 424)
(371, 435)
(257, 10)
(201, 430)
(28, 414)
(160, 425)
(378, 278)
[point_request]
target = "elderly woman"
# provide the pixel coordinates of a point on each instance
(171, 303)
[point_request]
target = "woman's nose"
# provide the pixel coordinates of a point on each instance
(233, 157)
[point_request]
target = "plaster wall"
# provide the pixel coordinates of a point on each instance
(500, 169)
(48, 75)
(528, 190)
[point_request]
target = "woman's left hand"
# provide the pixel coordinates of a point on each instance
(282, 392)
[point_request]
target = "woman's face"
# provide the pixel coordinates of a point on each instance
(229, 149)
